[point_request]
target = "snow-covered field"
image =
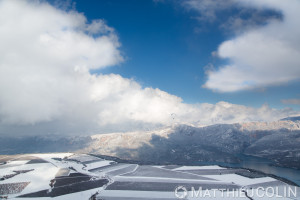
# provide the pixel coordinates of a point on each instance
(80, 176)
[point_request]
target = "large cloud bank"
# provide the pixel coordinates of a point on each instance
(261, 57)
(46, 86)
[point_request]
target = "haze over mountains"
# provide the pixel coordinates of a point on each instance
(178, 144)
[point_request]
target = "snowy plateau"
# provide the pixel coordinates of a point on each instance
(82, 176)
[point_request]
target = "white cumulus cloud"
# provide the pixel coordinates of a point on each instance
(261, 57)
(46, 55)
(43, 53)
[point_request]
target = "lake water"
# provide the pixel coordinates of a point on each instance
(265, 166)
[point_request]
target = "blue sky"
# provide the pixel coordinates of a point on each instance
(90, 67)
(166, 47)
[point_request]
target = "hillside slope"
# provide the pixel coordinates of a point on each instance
(278, 141)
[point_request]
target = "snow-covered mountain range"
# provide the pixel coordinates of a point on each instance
(179, 144)
(182, 144)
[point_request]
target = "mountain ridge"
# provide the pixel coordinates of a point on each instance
(178, 144)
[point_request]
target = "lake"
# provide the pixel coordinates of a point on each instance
(263, 165)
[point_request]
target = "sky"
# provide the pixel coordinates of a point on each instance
(163, 37)
(85, 67)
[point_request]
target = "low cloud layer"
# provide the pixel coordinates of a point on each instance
(46, 55)
(261, 57)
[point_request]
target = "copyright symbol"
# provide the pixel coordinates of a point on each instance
(181, 192)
